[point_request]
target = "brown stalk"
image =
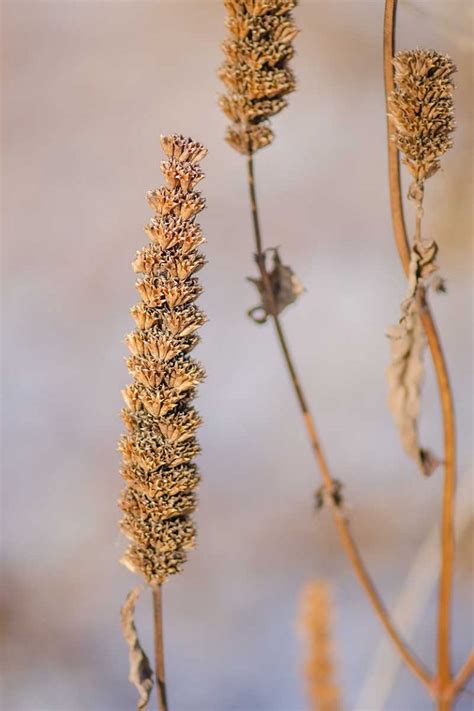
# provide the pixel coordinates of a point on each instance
(159, 650)
(340, 520)
(447, 522)
(461, 678)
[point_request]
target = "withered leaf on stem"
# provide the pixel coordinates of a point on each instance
(406, 369)
(285, 285)
(141, 673)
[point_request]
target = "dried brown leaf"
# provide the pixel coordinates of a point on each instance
(405, 372)
(141, 673)
(422, 265)
(285, 286)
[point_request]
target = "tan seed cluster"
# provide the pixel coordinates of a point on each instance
(255, 70)
(316, 625)
(161, 423)
(421, 109)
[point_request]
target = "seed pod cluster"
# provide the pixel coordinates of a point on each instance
(422, 110)
(255, 70)
(160, 443)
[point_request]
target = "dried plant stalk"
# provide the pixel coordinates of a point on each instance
(316, 625)
(256, 71)
(160, 444)
(421, 114)
(445, 687)
(248, 12)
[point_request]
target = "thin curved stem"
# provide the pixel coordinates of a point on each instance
(340, 520)
(159, 648)
(439, 363)
(462, 677)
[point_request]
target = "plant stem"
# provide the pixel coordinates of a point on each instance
(439, 363)
(159, 651)
(340, 520)
(462, 677)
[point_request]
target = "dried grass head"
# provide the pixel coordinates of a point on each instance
(255, 70)
(160, 443)
(421, 108)
(316, 623)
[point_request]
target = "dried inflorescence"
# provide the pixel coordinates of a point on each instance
(421, 109)
(256, 71)
(160, 442)
(316, 626)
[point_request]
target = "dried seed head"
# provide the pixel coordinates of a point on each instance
(160, 442)
(255, 71)
(183, 149)
(316, 626)
(421, 109)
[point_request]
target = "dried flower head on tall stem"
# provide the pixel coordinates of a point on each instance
(256, 71)
(252, 78)
(445, 685)
(421, 111)
(160, 444)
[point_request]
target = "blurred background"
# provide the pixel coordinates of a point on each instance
(88, 87)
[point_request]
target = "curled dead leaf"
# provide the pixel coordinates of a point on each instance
(405, 372)
(285, 289)
(141, 673)
(405, 379)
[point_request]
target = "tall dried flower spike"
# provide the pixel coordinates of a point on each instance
(255, 70)
(160, 443)
(316, 626)
(421, 109)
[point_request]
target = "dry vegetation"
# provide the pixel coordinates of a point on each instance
(160, 444)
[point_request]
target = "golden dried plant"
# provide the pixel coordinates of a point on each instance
(427, 85)
(421, 109)
(316, 626)
(255, 70)
(160, 444)
(421, 112)
(253, 20)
